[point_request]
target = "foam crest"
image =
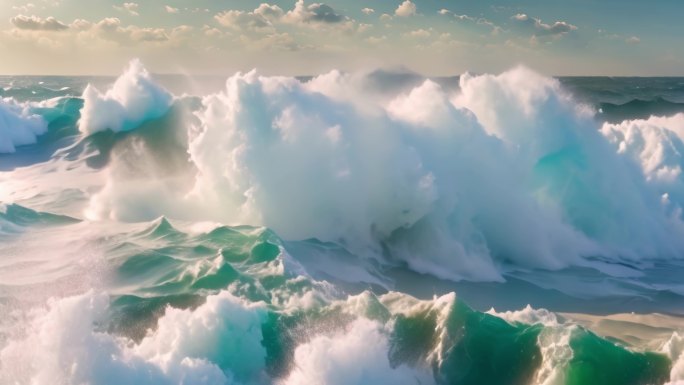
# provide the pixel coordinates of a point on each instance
(355, 356)
(18, 125)
(674, 348)
(509, 170)
(217, 343)
(285, 155)
(570, 167)
(528, 315)
(224, 331)
(133, 99)
(656, 146)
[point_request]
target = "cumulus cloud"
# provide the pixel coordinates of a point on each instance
(479, 21)
(368, 11)
(419, 33)
(211, 32)
(239, 20)
(260, 19)
(385, 17)
(80, 25)
(269, 11)
(170, 9)
(405, 9)
(36, 23)
(540, 28)
(314, 13)
(110, 28)
(264, 18)
(147, 34)
(131, 8)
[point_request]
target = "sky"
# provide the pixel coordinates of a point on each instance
(303, 37)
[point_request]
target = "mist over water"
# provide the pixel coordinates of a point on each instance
(341, 229)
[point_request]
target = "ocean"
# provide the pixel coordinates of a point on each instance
(347, 228)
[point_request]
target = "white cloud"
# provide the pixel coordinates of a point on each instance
(24, 8)
(80, 25)
(170, 9)
(465, 18)
(211, 31)
(419, 33)
(494, 29)
(111, 29)
(633, 40)
(540, 28)
(368, 11)
(85, 32)
(240, 20)
(269, 11)
(405, 9)
(314, 13)
(130, 8)
(266, 16)
(36, 23)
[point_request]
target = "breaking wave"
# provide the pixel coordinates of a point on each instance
(253, 235)
(508, 170)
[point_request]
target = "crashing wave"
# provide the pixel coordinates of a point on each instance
(18, 125)
(507, 170)
(132, 100)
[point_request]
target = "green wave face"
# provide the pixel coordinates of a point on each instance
(598, 361)
(162, 267)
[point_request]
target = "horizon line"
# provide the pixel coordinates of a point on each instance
(322, 73)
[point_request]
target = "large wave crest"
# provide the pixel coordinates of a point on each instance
(506, 171)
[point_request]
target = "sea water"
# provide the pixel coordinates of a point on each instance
(347, 228)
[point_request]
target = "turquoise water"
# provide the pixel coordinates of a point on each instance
(278, 233)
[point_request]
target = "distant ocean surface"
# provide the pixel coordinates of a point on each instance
(368, 228)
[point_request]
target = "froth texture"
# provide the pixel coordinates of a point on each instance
(133, 99)
(18, 126)
(508, 170)
(217, 343)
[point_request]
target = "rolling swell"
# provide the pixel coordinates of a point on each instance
(639, 109)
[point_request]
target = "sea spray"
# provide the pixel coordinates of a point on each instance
(419, 179)
(133, 99)
(260, 235)
(18, 125)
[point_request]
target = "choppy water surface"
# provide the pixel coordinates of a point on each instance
(341, 229)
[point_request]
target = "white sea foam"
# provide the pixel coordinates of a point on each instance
(528, 315)
(217, 343)
(18, 125)
(509, 169)
(656, 145)
(553, 342)
(355, 356)
(674, 349)
(133, 99)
